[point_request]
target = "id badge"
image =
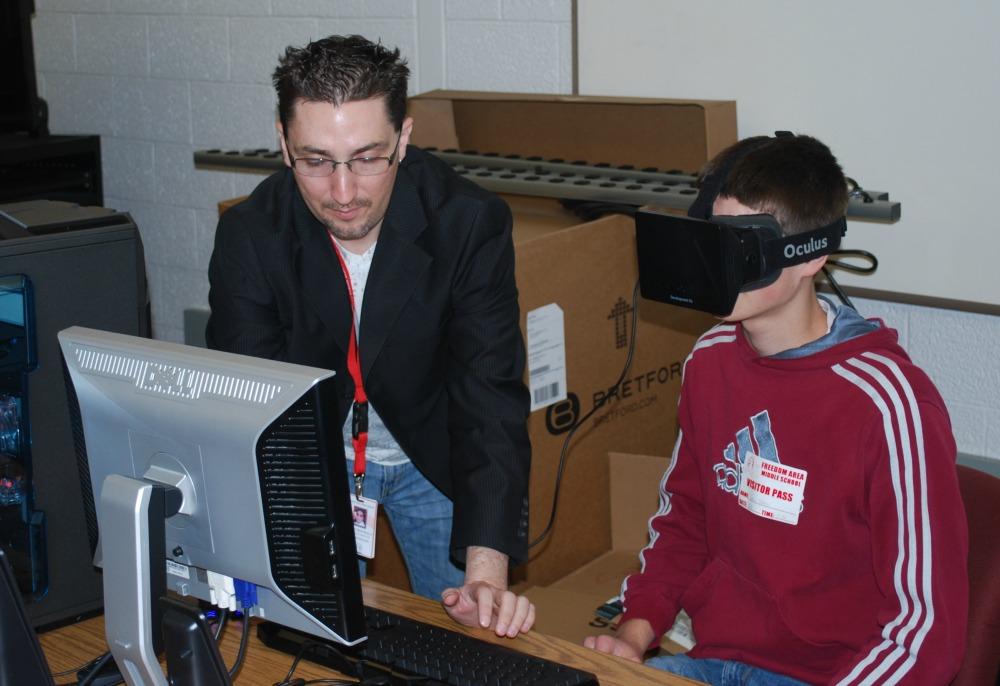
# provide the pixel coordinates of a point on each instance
(772, 490)
(365, 513)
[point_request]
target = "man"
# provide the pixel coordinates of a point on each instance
(431, 362)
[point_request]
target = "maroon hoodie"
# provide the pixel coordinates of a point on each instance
(835, 553)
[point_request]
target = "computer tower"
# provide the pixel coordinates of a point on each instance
(66, 168)
(63, 265)
(33, 164)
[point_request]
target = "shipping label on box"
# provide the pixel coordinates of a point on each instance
(546, 343)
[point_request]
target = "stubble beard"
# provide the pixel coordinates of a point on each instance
(344, 232)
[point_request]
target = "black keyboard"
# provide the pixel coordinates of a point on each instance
(405, 652)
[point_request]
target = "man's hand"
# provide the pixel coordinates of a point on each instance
(630, 643)
(479, 603)
(484, 600)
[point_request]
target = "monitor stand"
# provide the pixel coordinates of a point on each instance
(139, 619)
(132, 524)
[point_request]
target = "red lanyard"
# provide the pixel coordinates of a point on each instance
(359, 411)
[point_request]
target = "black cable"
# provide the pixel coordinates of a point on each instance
(612, 392)
(78, 668)
(92, 674)
(837, 289)
(220, 622)
(850, 267)
(854, 190)
(307, 646)
(298, 658)
(244, 639)
(833, 263)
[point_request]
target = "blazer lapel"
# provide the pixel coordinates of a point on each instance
(321, 279)
(397, 264)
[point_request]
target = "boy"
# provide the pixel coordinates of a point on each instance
(796, 401)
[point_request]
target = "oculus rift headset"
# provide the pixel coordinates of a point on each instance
(704, 262)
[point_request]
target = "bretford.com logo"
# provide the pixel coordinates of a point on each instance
(634, 393)
(806, 248)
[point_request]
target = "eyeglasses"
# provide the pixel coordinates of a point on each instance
(362, 166)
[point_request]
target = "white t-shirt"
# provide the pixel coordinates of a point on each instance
(382, 447)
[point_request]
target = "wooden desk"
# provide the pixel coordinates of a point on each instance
(73, 645)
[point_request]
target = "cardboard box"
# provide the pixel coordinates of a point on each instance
(570, 607)
(643, 132)
(587, 270)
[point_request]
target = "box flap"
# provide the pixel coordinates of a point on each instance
(642, 132)
(535, 217)
(633, 486)
(602, 576)
(434, 123)
(447, 94)
(634, 498)
(568, 614)
(572, 615)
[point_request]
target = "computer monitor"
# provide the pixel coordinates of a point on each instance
(201, 461)
(22, 661)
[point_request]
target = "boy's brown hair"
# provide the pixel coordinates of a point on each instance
(794, 178)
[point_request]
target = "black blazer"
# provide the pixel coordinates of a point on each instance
(441, 351)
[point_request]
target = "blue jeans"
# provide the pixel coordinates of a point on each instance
(421, 520)
(720, 672)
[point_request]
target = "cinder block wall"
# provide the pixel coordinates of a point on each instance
(158, 79)
(958, 352)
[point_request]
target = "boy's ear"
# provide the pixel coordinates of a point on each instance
(813, 266)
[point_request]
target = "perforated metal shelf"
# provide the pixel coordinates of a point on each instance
(557, 178)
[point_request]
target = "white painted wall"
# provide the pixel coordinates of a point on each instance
(905, 92)
(158, 79)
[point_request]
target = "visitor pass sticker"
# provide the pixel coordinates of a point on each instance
(772, 490)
